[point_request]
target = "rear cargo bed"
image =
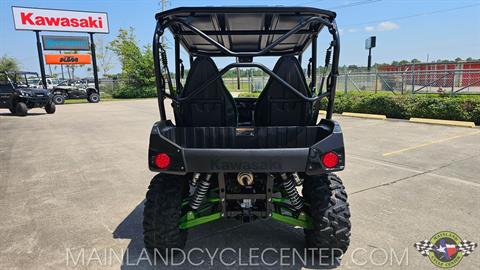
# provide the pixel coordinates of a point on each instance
(252, 149)
(241, 137)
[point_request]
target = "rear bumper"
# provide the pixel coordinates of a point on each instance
(262, 160)
(246, 160)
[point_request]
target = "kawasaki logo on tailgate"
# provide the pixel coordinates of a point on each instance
(218, 164)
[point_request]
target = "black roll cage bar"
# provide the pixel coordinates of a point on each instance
(331, 79)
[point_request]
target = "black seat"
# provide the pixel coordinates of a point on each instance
(279, 106)
(211, 107)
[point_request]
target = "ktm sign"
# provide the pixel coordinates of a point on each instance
(68, 59)
(59, 20)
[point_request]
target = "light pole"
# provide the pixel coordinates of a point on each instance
(370, 43)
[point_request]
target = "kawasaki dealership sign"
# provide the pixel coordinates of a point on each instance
(26, 18)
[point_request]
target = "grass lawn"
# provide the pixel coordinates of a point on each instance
(103, 99)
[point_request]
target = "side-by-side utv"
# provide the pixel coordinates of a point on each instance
(18, 93)
(246, 158)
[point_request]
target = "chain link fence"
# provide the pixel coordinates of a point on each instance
(417, 82)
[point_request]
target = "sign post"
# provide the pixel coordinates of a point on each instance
(40, 19)
(94, 61)
(370, 43)
(40, 59)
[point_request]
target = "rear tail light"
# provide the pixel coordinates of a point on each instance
(162, 161)
(330, 160)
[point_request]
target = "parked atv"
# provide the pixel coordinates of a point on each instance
(244, 158)
(18, 94)
(75, 89)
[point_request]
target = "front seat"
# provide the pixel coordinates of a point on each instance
(213, 106)
(279, 106)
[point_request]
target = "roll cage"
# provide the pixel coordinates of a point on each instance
(189, 21)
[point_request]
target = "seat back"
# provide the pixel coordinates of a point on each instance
(279, 106)
(211, 107)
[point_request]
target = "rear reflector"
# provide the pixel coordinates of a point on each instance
(330, 160)
(162, 161)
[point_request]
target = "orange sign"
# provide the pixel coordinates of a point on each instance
(68, 59)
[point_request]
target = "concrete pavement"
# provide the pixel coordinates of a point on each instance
(76, 181)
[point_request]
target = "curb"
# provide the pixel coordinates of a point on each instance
(365, 115)
(443, 122)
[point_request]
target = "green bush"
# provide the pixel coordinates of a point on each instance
(246, 94)
(462, 108)
(130, 91)
(407, 106)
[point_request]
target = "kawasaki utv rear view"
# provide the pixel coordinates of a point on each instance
(246, 158)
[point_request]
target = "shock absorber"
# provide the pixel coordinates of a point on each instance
(200, 192)
(289, 185)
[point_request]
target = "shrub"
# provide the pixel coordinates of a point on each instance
(246, 94)
(407, 106)
(130, 91)
(462, 108)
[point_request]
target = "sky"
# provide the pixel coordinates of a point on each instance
(405, 29)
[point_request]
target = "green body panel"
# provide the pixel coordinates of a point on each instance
(189, 220)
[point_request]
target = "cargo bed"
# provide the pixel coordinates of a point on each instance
(253, 149)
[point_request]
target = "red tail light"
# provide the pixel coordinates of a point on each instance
(162, 161)
(330, 160)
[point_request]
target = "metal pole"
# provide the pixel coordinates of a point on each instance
(94, 63)
(453, 82)
(369, 59)
(40, 59)
(314, 64)
(164, 7)
(238, 76)
(177, 65)
(61, 67)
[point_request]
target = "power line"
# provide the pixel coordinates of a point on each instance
(414, 15)
(358, 3)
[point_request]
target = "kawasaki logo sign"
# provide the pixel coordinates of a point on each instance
(59, 20)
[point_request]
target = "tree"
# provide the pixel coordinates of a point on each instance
(8, 63)
(137, 63)
(104, 56)
(353, 67)
(458, 59)
(415, 61)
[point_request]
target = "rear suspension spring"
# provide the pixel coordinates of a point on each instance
(200, 192)
(289, 185)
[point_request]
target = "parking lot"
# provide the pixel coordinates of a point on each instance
(77, 179)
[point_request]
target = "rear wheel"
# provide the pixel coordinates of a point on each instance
(162, 212)
(330, 214)
(21, 109)
(50, 107)
(58, 99)
(93, 98)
